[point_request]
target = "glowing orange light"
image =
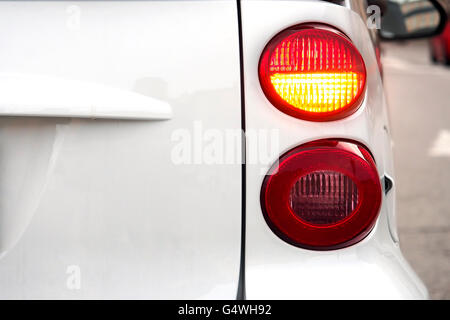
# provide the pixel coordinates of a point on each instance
(317, 92)
(311, 73)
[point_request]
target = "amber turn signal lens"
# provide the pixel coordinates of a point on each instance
(313, 72)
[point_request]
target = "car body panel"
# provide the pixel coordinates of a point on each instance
(372, 268)
(99, 208)
(440, 46)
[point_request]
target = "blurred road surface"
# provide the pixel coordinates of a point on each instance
(418, 94)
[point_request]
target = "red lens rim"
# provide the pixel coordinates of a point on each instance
(285, 107)
(349, 158)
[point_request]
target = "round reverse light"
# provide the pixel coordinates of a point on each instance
(322, 195)
(313, 72)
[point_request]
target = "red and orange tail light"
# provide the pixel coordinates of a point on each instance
(313, 72)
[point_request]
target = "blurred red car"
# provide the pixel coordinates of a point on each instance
(440, 46)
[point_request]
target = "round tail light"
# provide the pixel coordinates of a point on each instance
(322, 195)
(313, 72)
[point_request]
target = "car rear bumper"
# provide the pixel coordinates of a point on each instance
(372, 269)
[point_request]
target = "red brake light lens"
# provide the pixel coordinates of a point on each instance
(322, 195)
(313, 72)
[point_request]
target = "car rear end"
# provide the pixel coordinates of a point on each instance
(194, 200)
(371, 268)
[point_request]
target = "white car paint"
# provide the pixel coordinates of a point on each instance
(104, 198)
(58, 97)
(102, 194)
(372, 268)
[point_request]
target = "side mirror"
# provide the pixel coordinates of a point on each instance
(412, 19)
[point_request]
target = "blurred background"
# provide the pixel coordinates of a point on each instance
(417, 82)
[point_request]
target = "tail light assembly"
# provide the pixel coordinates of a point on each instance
(322, 195)
(313, 72)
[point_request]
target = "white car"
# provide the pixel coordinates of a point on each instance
(122, 169)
